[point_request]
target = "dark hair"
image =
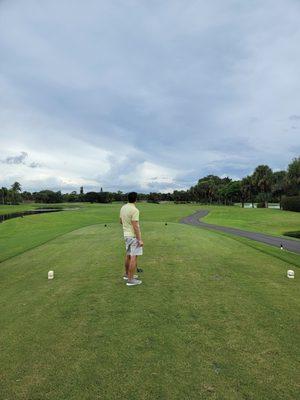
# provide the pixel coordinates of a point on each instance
(132, 197)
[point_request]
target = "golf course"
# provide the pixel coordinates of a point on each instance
(215, 316)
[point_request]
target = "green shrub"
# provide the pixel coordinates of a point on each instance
(261, 205)
(295, 234)
(56, 207)
(291, 203)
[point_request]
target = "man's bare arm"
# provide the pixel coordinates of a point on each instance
(137, 231)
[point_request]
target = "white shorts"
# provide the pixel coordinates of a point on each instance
(132, 247)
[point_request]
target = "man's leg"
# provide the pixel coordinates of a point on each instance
(132, 267)
(127, 262)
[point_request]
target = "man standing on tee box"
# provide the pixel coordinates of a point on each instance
(129, 218)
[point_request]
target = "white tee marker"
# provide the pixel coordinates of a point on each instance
(291, 274)
(50, 274)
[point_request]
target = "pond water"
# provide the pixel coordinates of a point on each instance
(22, 214)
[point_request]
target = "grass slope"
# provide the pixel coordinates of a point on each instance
(271, 221)
(21, 234)
(7, 209)
(212, 319)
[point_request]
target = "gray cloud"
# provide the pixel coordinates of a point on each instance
(22, 159)
(16, 159)
(117, 94)
(34, 165)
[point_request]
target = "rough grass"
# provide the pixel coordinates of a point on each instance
(215, 318)
(7, 209)
(294, 234)
(271, 221)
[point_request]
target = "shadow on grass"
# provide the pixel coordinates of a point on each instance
(294, 234)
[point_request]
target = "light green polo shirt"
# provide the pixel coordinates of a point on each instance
(129, 213)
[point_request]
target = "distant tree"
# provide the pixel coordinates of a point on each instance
(141, 196)
(169, 197)
(3, 192)
(233, 192)
(179, 196)
(247, 190)
(27, 196)
(223, 194)
(212, 189)
(104, 197)
(10, 197)
(202, 189)
(16, 187)
(280, 185)
(209, 189)
(154, 198)
(81, 194)
(48, 196)
(14, 193)
(91, 197)
(119, 196)
(71, 197)
(262, 179)
(293, 175)
(225, 180)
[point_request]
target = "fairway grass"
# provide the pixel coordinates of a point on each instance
(20, 234)
(271, 221)
(215, 318)
(7, 209)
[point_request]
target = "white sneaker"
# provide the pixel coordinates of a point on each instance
(134, 282)
(125, 277)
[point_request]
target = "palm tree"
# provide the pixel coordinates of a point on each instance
(3, 191)
(15, 192)
(262, 179)
(16, 187)
(201, 190)
(293, 175)
(247, 189)
(211, 191)
(280, 184)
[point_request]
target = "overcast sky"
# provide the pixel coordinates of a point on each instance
(146, 95)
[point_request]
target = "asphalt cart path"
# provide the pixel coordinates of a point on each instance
(288, 244)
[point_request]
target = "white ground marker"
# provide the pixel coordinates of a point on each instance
(50, 274)
(291, 274)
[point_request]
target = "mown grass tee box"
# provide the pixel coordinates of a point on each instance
(215, 317)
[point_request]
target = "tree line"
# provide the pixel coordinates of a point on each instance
(262, 186)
